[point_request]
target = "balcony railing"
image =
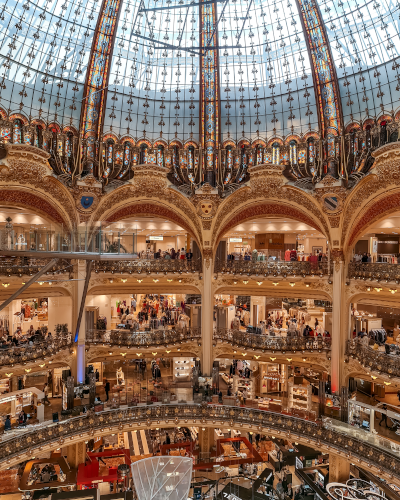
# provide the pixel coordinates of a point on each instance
(268, 343)
(140, 338)
(12, 355)
(373, 360)
(266, 268)
(364, 447)
(377, 271)
(148, 266)
(25, 266)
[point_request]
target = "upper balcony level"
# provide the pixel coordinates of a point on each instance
(341, 439)
(374, 271)
(274, 268)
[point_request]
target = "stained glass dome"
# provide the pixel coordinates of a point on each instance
(148, 72)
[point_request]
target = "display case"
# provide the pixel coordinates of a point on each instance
(300, 396)
(183, 368)
(239, 384)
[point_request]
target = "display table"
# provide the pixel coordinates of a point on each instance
(229, 400)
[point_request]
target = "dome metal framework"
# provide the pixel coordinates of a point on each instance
(205, 88)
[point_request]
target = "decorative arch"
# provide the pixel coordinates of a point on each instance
(19, 116)
(308, 135)
(275, 139)
(377, 209)
(352, 126)
(152, 209)
(16, 197)
(190, 143)
(70, 129)
(142, 142)
(175, 143)
(292, 137)
(160, 142)
(54, 127)
(127, 138)
(243, 142)
(260, 210)
(40, 123)
(259, 142)
(110, 135)
(368, 121)
(229, 142)
(387, 118)
(3, 114)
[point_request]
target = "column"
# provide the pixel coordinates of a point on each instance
(206, 440)
(78, 368)
(207, 307)
(338, 335)
(339, 469)
(76, 454)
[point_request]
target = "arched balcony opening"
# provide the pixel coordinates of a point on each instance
(276, 158)
(17, 132)
(160, 156)
(108, 157)
(293, 152)
(38, 139)
(143, 154)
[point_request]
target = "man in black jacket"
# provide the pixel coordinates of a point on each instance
(107, 388)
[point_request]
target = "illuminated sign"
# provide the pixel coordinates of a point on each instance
(156, 238)
(235, 240)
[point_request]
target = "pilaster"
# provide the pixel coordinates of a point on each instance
(207, 307)
(78, 365)
(339, 469)
(338, 314)
(76, 454)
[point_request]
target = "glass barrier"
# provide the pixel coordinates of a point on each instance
(103, 239)
(363, 435)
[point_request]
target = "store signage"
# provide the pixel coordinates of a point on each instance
(389, 242)
(156, 238)
(235, 240)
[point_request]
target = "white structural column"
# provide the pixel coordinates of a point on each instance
(207, 307)
(78, 368)
(338, 312)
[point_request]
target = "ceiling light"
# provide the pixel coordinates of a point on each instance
(292, 284)
(245, 282)
(259, 283)
(393, 290)
(272, 359)
(156, 280)
(124, 280)
(275, 283)
(139, 281)
(169, 281)
(8, 284)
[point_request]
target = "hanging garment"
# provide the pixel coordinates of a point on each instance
(287, 256)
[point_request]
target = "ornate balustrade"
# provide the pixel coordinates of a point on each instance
(25, 354)
(149, 266)
(377, 271)
(268, 343)
(266, 268)
(19, 266)
(373, 360)
(363, 448)
(138, 338)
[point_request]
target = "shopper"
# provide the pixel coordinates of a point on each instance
(7, 424)
(106, 387)
(46, 394)
(383, 415)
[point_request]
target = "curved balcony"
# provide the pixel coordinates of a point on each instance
(25, 266)
(13, 355)
(378, 361)
(274, 344)
(359, 447)
(376, 271)
(266, 268)
(148, 266)
(138, 338)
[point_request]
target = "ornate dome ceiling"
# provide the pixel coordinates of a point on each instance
(284, 66)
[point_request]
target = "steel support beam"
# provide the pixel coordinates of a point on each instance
(89, 265)
(29, 283)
